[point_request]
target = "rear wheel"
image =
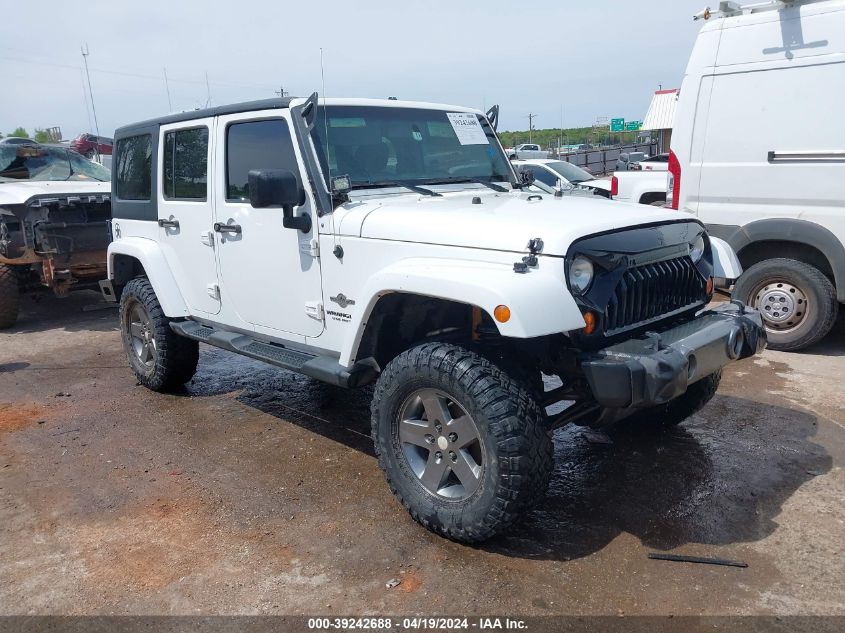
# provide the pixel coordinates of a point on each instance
(462, 444)
(160, 358)
(797, 302)
(9, 296)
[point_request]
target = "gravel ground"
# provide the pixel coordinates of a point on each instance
(255, 491)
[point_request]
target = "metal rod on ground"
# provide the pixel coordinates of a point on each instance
(697, 559)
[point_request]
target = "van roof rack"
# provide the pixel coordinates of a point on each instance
(730, 8)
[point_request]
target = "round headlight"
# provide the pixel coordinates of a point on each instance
(696, 248)
(580, 274)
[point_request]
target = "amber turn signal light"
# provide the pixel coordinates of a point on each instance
(590, 320)
(709, 287)
(502, 314)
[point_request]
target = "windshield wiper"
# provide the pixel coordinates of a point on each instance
(397, 183)
(460, 179)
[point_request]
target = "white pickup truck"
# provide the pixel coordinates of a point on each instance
(527, 150)
(644, 187)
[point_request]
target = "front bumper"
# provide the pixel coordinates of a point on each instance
(658, 367)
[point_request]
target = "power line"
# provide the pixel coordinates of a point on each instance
(123, 73)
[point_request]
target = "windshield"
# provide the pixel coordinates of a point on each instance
(570, 172)
(39, 162)
(377, 146)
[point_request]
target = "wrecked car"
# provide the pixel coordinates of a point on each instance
(54, 211)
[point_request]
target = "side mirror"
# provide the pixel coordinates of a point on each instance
(279, 188)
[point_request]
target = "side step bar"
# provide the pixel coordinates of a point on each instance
(322, 368)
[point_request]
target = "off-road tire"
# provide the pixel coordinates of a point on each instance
(675, 411)
(516, 445)
(9, 296)
(176, 357)
(822, 305)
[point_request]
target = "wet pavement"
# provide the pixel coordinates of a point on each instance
(256, 491)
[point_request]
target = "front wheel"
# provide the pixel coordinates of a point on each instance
(462, 444)
(797, 302)
(9, 296)
(160, 358)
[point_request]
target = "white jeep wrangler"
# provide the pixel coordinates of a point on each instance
(361, 241)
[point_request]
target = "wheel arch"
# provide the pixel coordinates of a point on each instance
(801, 240)
(539, 301)
(131, 257)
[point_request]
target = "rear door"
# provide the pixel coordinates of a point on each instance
(186, 212)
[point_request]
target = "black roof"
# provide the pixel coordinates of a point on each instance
(232, 108)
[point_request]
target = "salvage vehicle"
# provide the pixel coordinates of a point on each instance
(54, 214)
(776, 196)
(365, 241)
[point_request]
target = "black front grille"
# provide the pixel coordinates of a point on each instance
(653, 291)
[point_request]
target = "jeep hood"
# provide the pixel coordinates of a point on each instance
(16, 193)
(502, 222)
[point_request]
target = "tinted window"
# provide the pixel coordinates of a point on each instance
(256, 145)
(132, 167)
(186, 164)
(543, 175)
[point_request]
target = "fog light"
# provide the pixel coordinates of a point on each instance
(590, 321)
(502, 314)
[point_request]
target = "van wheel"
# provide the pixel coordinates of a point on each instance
(462, 444)
(160, 358)
(797, 302)
(9, 296)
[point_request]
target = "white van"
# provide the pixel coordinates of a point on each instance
(758, 153)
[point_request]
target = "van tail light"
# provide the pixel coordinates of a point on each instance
(673, 193)
(614, 186)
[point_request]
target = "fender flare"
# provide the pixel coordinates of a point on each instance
(539, 300)
(150, 256)
(788, 230)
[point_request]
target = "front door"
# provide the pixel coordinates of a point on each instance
(270, 276)
(185, 212)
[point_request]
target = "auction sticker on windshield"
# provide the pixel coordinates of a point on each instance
(467, 128)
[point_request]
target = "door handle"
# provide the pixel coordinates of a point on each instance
(169, 224)
(227, 228)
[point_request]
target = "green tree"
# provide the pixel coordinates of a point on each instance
(42, 136)
(20, 132)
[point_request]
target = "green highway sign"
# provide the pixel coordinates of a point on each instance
(617, 125)
(633, 126)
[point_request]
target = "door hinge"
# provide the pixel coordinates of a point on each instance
(213, 291)
(314, 309)
(311, 247)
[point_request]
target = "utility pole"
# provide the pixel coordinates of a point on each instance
(530, 126)
(281, 92)
(167, 87)
(85, 54)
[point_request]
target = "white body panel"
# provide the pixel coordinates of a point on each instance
(726, 266)
(14, 193)
(768, 81)
(635, 186)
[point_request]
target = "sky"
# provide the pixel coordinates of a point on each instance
(568, 62)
